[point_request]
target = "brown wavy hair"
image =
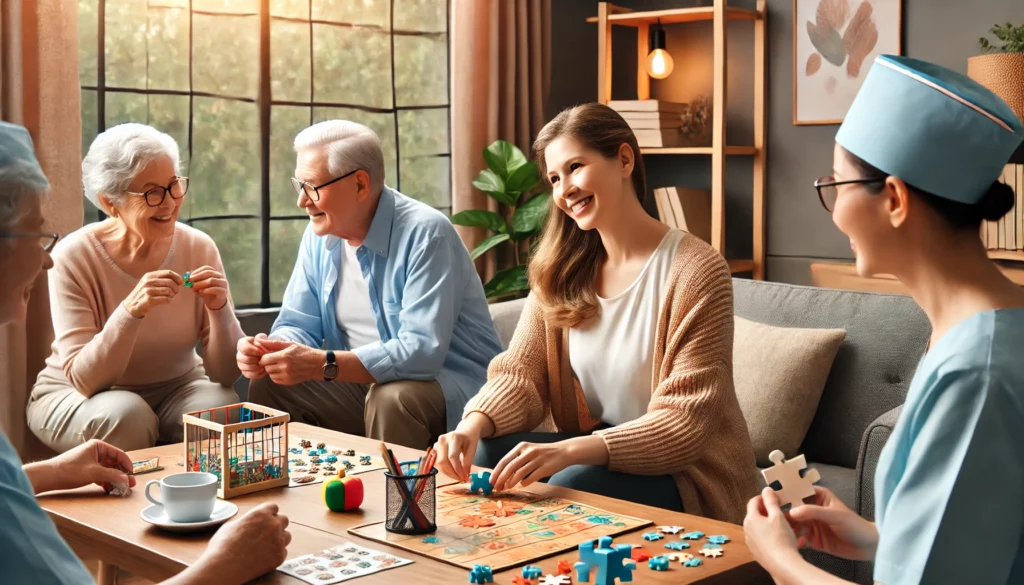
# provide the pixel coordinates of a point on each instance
(563, 268)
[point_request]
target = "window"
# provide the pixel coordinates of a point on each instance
(233, 81)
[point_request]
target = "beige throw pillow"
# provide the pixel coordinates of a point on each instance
(779, 374)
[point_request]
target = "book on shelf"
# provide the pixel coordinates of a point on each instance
(658, 138)
(646, 106)
(663, 124)
(1020, 206)
(1010, 178)
(630, 116)
(686, 209)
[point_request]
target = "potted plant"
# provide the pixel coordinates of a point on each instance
(510, 179)
(1001, 67)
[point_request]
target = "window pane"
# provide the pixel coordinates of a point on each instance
(88, 30)
(225, 169)
(239, 243)
(382, 124)
(423, 132)
(125, 43)
(421, 15)
(290, 8)
(427, 178)
(225, 55)
(289, 61)
(227, 6)
(285, 236)
(89, 212)
(126, 107)
(421, 70)
(168, 48)
(285, 123)
(351, 66)
(90, 119)
(371, 12)
(169, 114)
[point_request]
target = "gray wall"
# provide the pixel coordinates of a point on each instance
(798, 229)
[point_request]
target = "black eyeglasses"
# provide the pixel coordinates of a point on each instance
(828, 189)
(313, 192)
(155, 196)
(47, 241)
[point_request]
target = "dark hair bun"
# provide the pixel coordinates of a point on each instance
(996, 202)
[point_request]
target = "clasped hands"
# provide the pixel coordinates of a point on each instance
(286, 362)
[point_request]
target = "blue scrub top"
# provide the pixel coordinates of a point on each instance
(31, 550)
(950, 481)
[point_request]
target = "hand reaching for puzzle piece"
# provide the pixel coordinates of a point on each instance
(794, 486)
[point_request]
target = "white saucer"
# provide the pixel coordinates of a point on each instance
(222, 512)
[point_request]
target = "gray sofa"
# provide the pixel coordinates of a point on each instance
(886, 337)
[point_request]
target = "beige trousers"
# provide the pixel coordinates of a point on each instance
(128, 418)
(404, 412)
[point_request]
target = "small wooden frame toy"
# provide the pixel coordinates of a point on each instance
(794, 487)
(251, 439)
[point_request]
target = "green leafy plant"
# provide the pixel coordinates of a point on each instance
(510, 178)
(1011, 36)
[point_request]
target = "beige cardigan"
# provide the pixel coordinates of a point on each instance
(693, 428)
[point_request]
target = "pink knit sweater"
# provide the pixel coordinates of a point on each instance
(693, 430)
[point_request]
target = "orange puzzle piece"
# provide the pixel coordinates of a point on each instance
(500, 509)
(564, 568)
(476, 522)
(639, 555)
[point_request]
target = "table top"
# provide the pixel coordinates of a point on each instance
(110, 528)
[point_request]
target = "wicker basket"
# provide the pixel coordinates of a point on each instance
(1003, 73)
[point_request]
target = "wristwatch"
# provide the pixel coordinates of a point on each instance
(330, 368)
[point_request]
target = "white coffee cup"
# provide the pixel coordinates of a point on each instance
(187, 497)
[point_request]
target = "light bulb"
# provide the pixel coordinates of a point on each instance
(659, 64)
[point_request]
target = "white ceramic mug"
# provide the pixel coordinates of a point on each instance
(187, 497)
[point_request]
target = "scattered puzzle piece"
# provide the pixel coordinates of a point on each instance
(431, 540)
(639, 555)
(677, 545)
(671, 529)
(520, 580)
(481, 574)
(476, 522)
(659, 563)
(556, 580)
(652, 536)
(532, 572)
(695, 535)
(693, 562)
(679, 557)
(718, 539)
(120, 490)
(711, 552)
(610, 563)
(481, 481)
(563, 567)
(794, 486)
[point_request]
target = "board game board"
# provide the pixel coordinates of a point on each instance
(302, 471)
(511, 528)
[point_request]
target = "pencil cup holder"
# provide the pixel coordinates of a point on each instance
(411, 502)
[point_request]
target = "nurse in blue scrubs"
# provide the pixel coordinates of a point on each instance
(916, 169)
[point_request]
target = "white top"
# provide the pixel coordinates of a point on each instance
(355, 315)
(612, 354)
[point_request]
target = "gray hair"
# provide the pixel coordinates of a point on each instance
(119, 154)
(349, 146)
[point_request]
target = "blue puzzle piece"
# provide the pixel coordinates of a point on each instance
(610, 563)
(694, 562)
(481, 574)
(331, 459)
(481, 481)
(431, 540)
(531, 572)
(697, 534)
(652, 536)
(658, 563)
(677, 545)
(599, 520)
(313, 453)
(718, 539)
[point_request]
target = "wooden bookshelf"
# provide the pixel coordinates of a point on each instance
(719, 14)
(844, 275)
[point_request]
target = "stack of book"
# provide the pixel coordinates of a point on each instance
(1008, 233)
(655, 123)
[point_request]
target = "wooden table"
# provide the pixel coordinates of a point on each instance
(110, 528)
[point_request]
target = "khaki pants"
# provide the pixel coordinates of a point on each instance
(405, 412)
(128, 418)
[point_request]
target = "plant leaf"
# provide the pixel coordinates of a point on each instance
(503, 158)
(487, 245)
(528, 219)
(510, 281)
(481, 218)
(523, 178)
(493, 185)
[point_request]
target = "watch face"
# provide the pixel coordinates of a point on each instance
(330, 371)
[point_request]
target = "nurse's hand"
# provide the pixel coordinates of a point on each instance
(769, 536)
(91, 462)
(829, 526)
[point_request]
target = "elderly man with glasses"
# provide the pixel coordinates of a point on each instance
(384, 329)
(124, 365)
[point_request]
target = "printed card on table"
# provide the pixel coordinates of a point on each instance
(340, 563)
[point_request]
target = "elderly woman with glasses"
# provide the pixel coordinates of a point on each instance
(124, 365)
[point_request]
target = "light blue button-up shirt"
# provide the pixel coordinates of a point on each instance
(430, 307)
(949, 487)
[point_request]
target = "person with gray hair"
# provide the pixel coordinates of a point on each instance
(31, 549)
(124, 366)
(384, 329)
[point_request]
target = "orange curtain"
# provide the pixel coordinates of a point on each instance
(39, 90)
(500, 72)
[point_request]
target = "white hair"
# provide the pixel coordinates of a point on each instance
(119, 154)
(349, 146)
